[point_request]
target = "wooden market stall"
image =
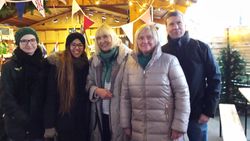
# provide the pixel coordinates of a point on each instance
(58, 21)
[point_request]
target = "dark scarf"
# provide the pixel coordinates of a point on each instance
(29, 60)
(178, 46)
(180, 42)
(31, 66)
(144, 59)
(108, 59)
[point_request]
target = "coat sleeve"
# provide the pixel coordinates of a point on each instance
(51, 105)
(125, 103)
(213, 78)
(180, 91)
(8, 101)
(91, 83)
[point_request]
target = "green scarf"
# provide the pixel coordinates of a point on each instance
(108, 59)
(144, 59)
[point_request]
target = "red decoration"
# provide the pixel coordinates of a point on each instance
(87, 23)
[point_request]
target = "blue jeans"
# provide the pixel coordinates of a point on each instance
(197, 131)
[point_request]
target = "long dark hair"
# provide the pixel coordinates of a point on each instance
(65, 74)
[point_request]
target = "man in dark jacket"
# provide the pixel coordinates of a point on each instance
(201, 71)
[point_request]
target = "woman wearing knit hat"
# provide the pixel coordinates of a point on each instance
(104, 83)
(22, 83)
(67, 106)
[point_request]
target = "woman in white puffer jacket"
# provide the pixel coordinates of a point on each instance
(154, 97)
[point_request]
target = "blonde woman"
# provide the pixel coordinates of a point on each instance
(154, 98)
(104, 83)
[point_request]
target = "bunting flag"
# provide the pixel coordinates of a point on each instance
(75, 7)
(20, 9)
(87, 23)
(2, 2)
(39, 5)
(44, 50)
(63, 1)
(56, 47)
(128, 30)
(146, 17)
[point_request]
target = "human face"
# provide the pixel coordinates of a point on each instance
(28, 44)
(76, 48)
(104, 42)
(146, 42)
(175, 27)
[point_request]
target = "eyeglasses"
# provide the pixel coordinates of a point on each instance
(25, 42)
(74, 45)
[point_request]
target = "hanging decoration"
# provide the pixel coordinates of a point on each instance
(146, 17)
(2, 2)
(39, 5)
(128, 30)
(87, 23)
(20, 9)
(75, 7)
(9, 7)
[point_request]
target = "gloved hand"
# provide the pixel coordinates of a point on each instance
(50, 133)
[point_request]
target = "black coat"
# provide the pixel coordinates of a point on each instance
(201, 71)
(75, 124)
(22, 95)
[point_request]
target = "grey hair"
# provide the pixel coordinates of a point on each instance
(150, 28)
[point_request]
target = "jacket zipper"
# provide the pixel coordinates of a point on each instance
(145, 105)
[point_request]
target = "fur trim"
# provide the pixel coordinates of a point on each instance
(54, 58)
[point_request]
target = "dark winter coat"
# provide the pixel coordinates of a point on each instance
(72, 126)
(22, 95)
(201, 71)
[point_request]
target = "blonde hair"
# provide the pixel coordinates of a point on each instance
(106, 29)
(150, 28)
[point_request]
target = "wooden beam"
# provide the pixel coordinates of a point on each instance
(109, 11)
(51, 18)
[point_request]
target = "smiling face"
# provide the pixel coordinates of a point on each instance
(104, 42)
(28, 44)
(76, 48)
(146, 42)
(175, 26)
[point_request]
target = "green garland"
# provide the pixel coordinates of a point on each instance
(3, 48)
(10, 9)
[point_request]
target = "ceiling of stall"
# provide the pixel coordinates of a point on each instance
(115, 8)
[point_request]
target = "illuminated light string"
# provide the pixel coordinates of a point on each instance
(150, 5)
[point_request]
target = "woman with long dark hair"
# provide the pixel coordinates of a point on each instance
(67, 106)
